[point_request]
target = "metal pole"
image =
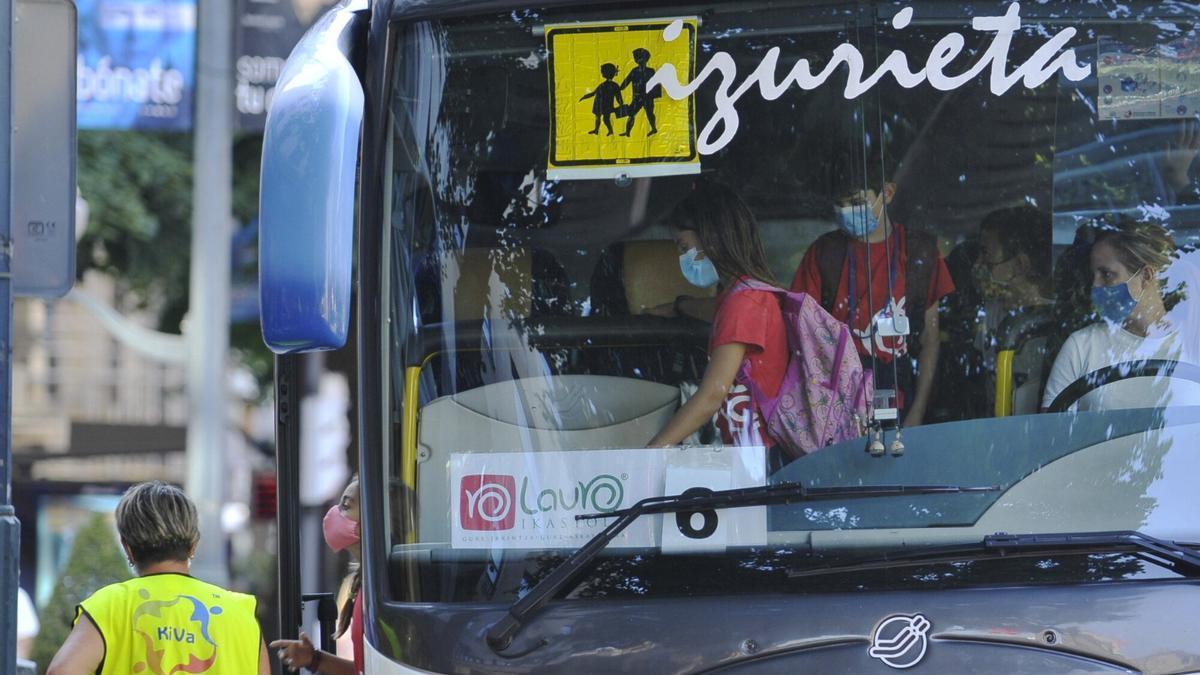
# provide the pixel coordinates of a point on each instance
(311, 539)
(208, 305)
(10, 527)
(288, 394)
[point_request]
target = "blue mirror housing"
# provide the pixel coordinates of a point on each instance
(307, 193)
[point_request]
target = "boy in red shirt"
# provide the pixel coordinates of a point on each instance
(901, 281)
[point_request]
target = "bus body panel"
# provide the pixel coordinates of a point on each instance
(1099, 628)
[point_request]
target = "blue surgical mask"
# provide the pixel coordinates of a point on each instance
(857, 221)
(701, 272)
(1114, 303)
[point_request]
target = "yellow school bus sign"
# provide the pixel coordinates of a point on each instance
(607, 119)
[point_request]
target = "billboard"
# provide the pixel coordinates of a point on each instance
(266, 32)
(136, 64)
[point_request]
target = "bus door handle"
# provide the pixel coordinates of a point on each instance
(327, 615)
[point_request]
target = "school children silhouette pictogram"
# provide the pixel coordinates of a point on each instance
(607, 99)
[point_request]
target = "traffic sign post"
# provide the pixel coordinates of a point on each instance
(37, 219)
(10, 528)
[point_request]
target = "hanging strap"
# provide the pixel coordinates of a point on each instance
(922, 255)
(853, 282)
(831, 257)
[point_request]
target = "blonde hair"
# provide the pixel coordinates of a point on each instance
(158, 523)
(1139, 244)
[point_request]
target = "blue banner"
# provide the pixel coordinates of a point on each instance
(137, 64)
(267, 30)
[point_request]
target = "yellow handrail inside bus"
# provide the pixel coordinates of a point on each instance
(408, 452)
(1004, 382)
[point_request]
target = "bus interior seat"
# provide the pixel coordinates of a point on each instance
(537, 414)
(634, 276)
(516, 283)
(1027, 335)
(551, 286)
(503, 286)
(961, 392)
(489, 283)
(1073, 289)
(967, 389)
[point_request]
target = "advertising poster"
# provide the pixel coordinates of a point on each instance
(605, 121)
(1180, 76)
(267, 30)
(1159, 82)
(516, 500)
(136, 64)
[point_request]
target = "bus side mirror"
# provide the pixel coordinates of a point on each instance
(306, 203)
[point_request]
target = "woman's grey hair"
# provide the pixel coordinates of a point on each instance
(158, 523)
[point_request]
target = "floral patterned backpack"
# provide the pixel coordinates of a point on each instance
(825, 392)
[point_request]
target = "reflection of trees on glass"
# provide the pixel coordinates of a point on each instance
(470, 256)
(1103, 164)
(471, 200)
(1130, 483)
(637, 574)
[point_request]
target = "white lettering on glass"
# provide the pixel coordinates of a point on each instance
(1039, 68)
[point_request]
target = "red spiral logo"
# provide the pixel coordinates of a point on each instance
(486, 502)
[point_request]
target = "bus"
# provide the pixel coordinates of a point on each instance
(484, 188)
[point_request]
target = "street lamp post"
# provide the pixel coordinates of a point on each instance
(208, 305)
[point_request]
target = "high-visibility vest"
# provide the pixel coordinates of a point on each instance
(172, 623)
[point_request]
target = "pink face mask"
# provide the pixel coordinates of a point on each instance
(340, 531)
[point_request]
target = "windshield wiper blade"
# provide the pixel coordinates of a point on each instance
(1179, 558)
(1174, 556)
(501, 633)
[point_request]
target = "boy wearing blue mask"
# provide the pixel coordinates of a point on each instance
(885, 282)
(1127, 259)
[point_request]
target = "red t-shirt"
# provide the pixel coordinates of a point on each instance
(808, 280)
(754, 319)
(356, 632)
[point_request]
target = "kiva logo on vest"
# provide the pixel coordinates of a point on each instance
(172, 634)
(182, 620)
(1038, 69)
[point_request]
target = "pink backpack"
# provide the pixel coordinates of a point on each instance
(823, 397)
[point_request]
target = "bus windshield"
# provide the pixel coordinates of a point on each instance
(625, 244)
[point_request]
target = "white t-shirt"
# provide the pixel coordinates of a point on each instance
(1099, 345)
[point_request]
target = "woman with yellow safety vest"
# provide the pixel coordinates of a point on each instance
(163, 620)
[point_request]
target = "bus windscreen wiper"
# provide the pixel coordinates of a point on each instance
(1179, 558)
(696, 500)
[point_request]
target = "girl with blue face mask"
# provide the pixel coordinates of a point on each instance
(718, 242)
(1127, 260)
(696, 267)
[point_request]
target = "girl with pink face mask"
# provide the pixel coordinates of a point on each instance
(341, 533)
